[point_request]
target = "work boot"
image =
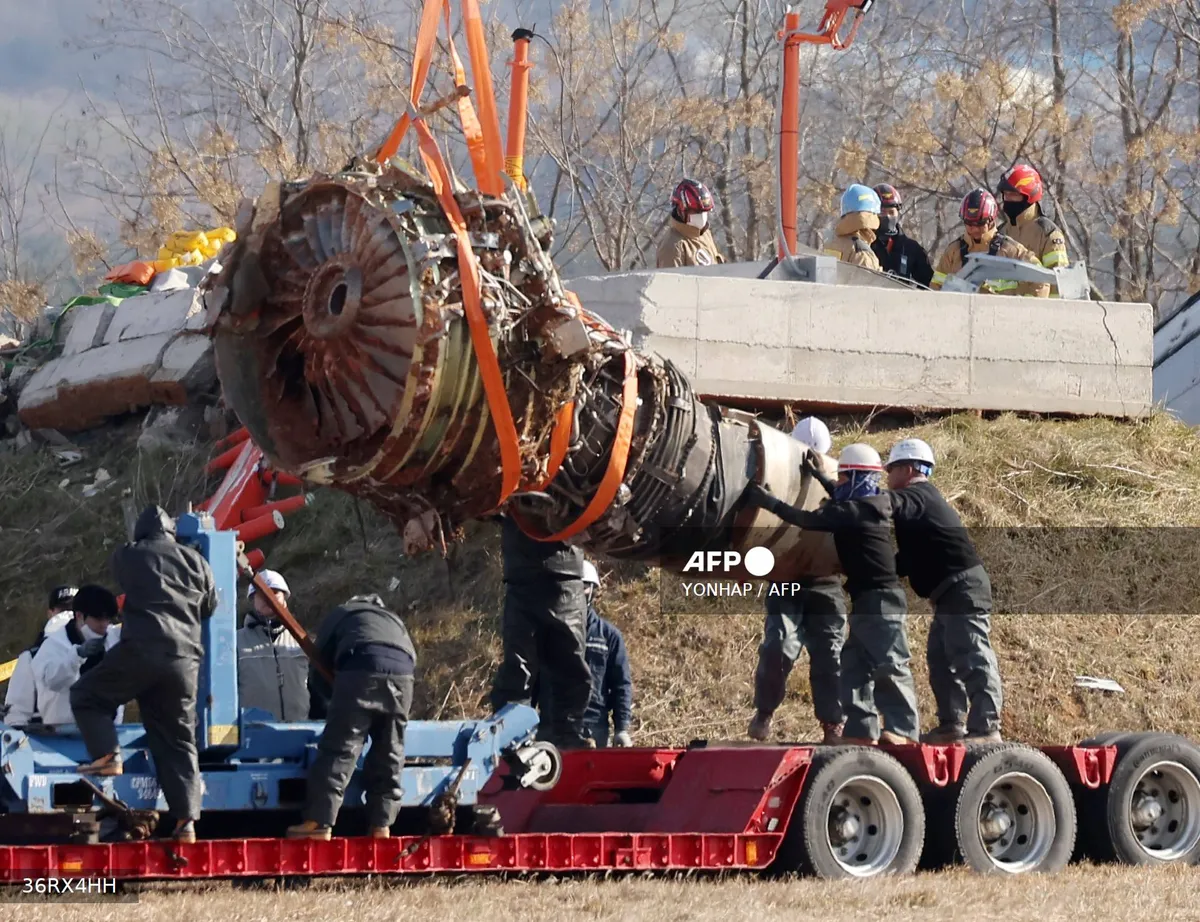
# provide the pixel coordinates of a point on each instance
(833, 734)
(185, 831)
(310, 829)
(888, 738)
(760, 727)
(106, 766)
(945, 735)
(381, 832)
(988, 736)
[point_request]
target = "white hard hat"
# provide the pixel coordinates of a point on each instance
(274, 582)
(590, 573)
(911, 450)
(859, 457)
(812, 432)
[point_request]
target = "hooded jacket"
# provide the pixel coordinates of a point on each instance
(57, 667)
(169, 589)
(996, 244)
(684, 245)
(855, 234)
(272, 671)
(21, 698)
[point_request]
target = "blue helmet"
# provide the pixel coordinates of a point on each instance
(860, 198)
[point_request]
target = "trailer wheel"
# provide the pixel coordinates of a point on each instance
(1153, 803)
(1015, 812)
(860, 815)
(549, 760)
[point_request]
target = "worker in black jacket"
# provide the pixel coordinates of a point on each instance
(373, 660)
(876, 681)
(543, 629)
(169, 591)
(898, 254)
(936, 554)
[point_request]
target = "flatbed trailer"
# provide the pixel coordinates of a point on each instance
(834, 812)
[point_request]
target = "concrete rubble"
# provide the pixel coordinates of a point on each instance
(147, 350)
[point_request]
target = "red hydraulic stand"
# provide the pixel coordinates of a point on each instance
(245, 502)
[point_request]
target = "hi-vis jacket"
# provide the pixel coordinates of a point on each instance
(994, 244)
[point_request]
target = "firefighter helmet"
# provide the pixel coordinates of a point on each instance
(978, 207)
(690, 197)
(1022, 179)
(860, 198)
(889, 196)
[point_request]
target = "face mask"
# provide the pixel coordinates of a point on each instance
(859, 484)
(88, 633)
(889, 225)
(1014, 209)
(699, 220)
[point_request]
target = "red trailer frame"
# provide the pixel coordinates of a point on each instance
(722, 806)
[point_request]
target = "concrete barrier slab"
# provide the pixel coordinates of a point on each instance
(862, 347)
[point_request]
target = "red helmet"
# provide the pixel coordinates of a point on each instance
(889, 197)
(691, 197)
(1023, 179)
(979, 207)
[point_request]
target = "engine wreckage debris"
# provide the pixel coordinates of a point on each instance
(343, 341)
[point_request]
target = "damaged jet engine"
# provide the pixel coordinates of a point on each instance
(362, 353)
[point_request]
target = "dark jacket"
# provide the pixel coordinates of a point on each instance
(612, 679)
(169, 589)
(272, 670)
(861, 531)
(903, 257)
(360, 636)
(932, 542)
(527, 560)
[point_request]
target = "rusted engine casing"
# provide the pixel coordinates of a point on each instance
(342, 343)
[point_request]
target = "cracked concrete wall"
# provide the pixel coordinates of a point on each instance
(861, 347)
(147, 350)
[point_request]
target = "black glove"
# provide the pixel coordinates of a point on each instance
(90, 648)
(811, 462)
(758, 495)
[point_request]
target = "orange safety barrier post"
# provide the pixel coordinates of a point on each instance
(518, 109)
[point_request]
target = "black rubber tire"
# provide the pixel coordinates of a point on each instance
(1107, 738)
(806, 847)
(1136, 754)
(983, 768)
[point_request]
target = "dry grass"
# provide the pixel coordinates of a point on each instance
(693, 673)
(1117, 894)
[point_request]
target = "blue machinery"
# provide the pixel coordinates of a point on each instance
(250, 764)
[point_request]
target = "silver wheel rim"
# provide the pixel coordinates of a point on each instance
(1164, 811)
(1015, 823)
(865, 826)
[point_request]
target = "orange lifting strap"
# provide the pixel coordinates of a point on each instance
(482, 133)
